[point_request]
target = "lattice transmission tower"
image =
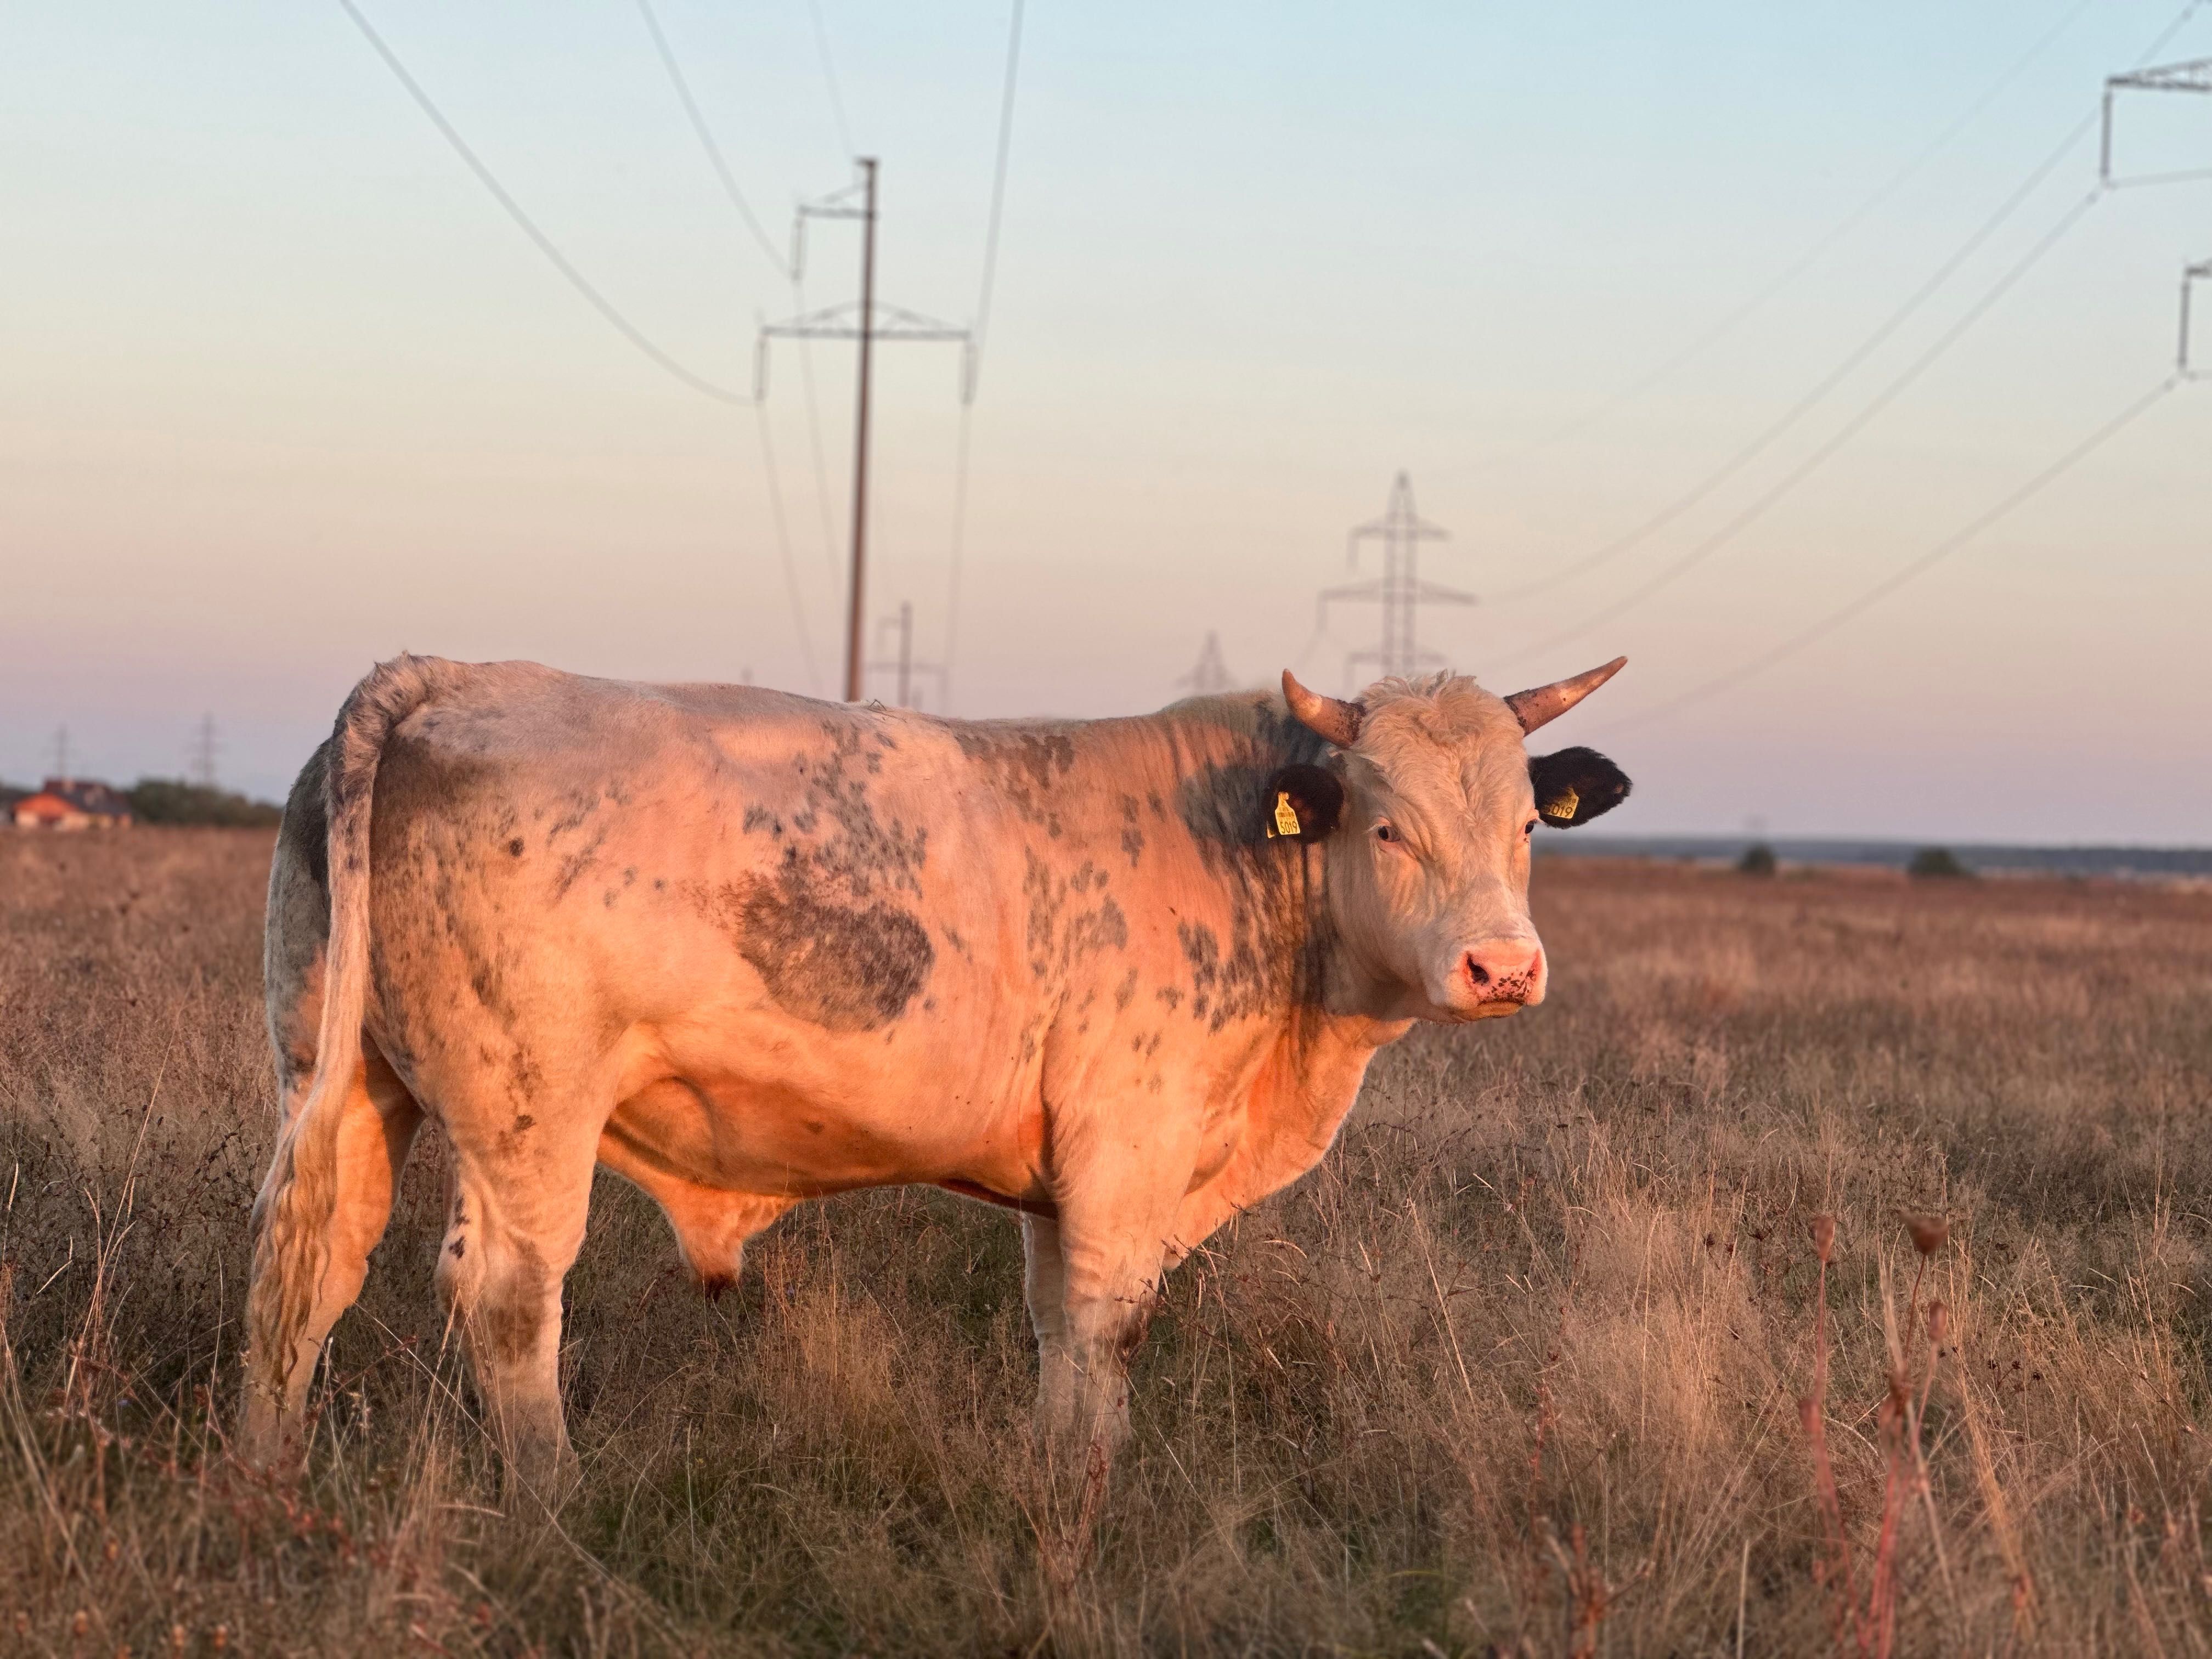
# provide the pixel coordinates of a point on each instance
(1400, 591)
(2190, 276)
(207, 746)
(2194, 75)
(1211, 677)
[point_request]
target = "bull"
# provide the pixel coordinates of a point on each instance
(1122, 977)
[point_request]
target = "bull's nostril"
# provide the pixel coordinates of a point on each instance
(1477, 972)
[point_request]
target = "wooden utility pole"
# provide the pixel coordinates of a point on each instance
(867, 323)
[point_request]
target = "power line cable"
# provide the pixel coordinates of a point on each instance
(982, 326)
(1776, 429)
(599, 301)
(775, 257)
(607, 310)
(707, 139)
(829, 539)
(1813, 255)
(1850, 429)
(977, 332)
(1743, 456)
(783, 543)
(1928, 560)
(829, 75)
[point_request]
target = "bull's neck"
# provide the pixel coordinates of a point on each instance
(1215, 757)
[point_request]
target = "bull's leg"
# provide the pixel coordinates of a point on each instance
(1108, 1240)
(321, 1275)
(516, 1220)
(1044, 1283)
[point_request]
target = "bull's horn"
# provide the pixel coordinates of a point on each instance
(1337, 720)
(1542, 704)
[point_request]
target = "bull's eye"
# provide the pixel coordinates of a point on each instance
(1529, 828)
(1385, 832)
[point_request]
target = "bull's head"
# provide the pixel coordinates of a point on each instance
(1425, 812)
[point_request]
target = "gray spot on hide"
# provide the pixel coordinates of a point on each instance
(840, 967)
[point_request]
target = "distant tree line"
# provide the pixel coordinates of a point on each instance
(172, 800)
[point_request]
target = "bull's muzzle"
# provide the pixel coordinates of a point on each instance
(1498, 976)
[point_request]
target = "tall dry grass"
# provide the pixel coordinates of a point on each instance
(1518, 1369)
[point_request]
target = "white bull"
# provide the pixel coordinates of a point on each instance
(1123, 977)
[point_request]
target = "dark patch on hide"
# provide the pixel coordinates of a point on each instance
(511, 1319)
(1234, 984)
(1060, 930)
(1267, 950)
(1133, 838)
(306, 831)
(1024, 764)
(846, 968)
(864, 853)
(573, 866)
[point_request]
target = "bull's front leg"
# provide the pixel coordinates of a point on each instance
(1092, 1279)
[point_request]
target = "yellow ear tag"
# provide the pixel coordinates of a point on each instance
(1562, 807)
(1287, 816)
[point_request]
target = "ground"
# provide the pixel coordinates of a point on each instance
(1517, 1369)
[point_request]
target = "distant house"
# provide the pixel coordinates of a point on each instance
(72, 803)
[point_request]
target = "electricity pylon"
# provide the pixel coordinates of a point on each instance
(205, 746)
(1211, 677)
(2190, 276)
(2194, 75)
(1400, 592)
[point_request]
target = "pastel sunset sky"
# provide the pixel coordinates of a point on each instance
(283, 390)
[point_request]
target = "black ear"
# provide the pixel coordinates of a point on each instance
(1574, 786)
(1303, 802)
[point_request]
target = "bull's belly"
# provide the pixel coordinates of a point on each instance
(796, 1137)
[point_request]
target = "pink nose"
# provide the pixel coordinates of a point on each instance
(1505, 970)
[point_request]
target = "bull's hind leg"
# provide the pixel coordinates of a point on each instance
(520, 1191)
(321, 1275)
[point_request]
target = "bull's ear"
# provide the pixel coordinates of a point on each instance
(1303, 802)
(1574, 786)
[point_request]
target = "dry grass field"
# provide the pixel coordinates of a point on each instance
(1517, 1371)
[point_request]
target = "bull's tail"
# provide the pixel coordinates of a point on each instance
(292, 1216)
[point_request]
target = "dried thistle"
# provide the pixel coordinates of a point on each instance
(1929, 1232)
(1824, 1238)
